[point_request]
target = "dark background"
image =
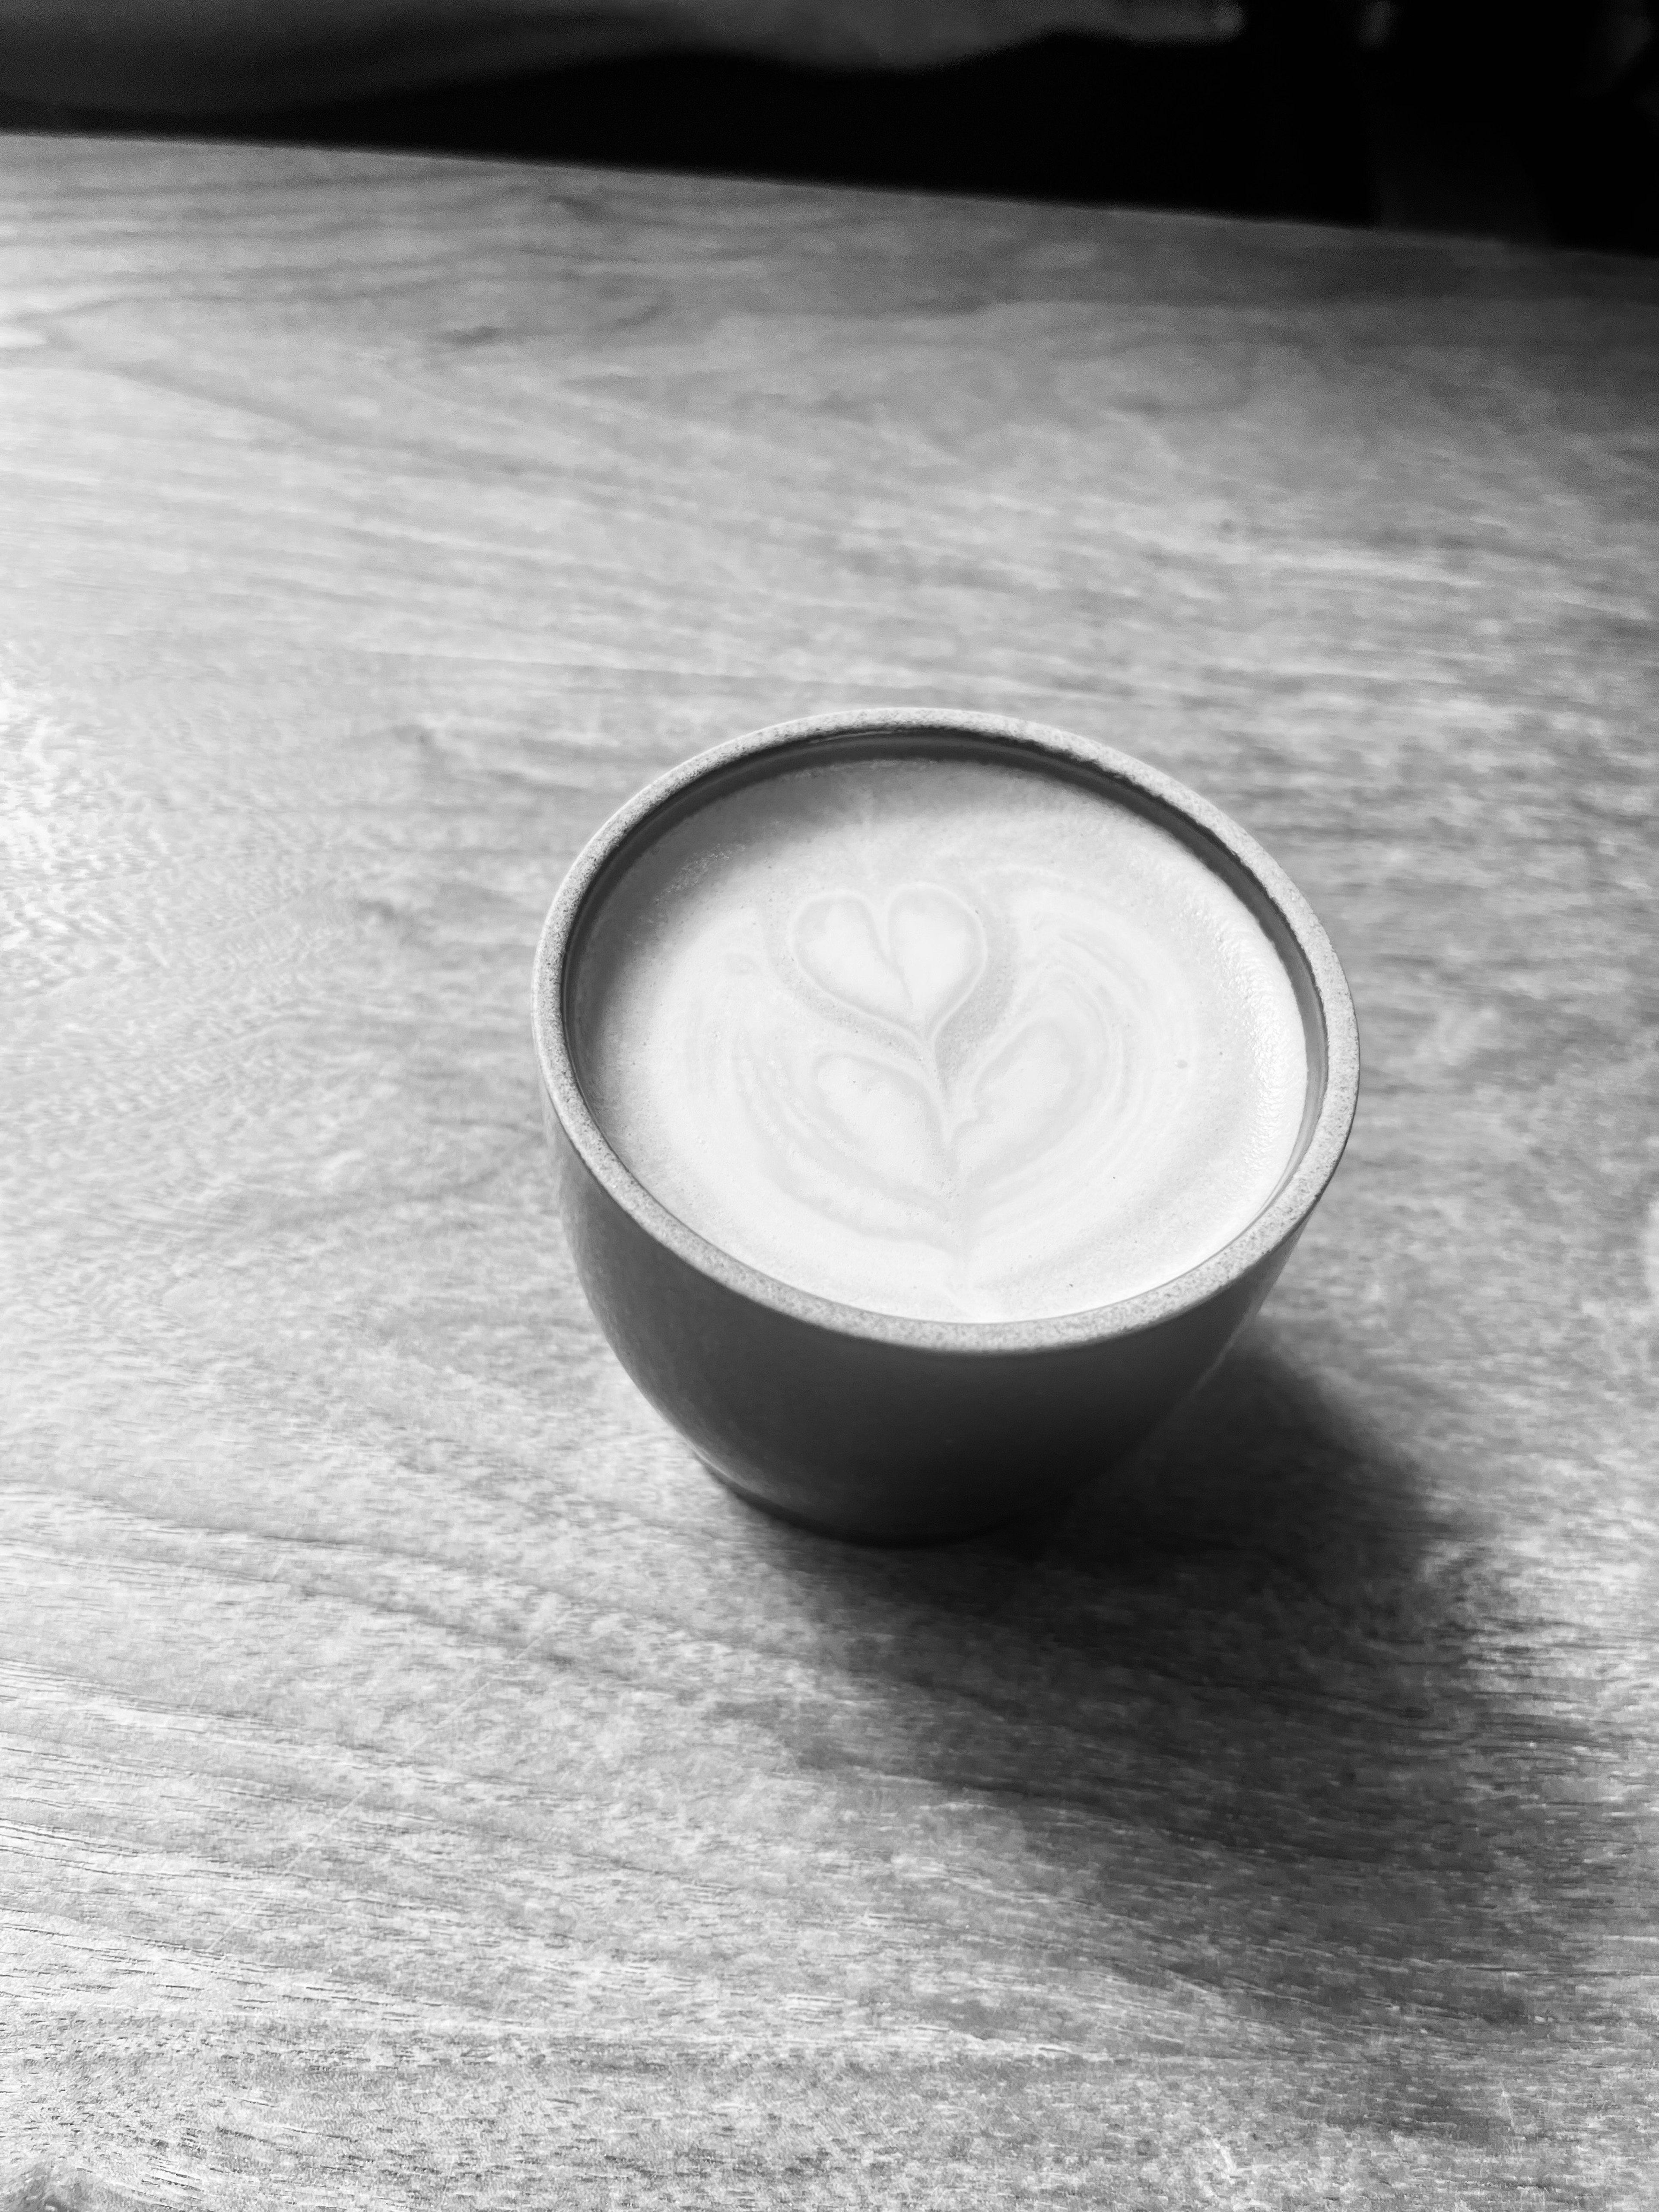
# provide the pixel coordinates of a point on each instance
(1532, 120)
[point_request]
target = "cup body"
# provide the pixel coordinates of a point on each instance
(868, 1425)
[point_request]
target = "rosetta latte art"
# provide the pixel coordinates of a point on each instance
(913, 1095)
(940, 1058)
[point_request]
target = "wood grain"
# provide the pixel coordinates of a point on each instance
(418, 1784)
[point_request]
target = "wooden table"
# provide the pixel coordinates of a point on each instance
(420, 1785)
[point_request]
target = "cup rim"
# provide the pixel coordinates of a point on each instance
(1279, 1220)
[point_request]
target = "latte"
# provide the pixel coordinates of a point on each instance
(939, 1037)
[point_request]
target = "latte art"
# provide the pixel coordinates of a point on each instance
(941, 1038)
(894, 1105)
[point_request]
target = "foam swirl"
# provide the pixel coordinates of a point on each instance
(947, 1040)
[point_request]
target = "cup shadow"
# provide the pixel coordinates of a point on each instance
(1258, 1702)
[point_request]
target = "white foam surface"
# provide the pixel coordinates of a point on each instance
(940, 1038)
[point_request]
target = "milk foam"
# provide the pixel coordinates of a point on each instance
(940, 1038)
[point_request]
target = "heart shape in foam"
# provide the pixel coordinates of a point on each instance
(913, 970)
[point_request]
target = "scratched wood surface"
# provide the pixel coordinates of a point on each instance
(419, 1785)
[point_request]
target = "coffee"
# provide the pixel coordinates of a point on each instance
(939, 1037)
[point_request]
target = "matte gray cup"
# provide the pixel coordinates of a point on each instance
(864, 1424)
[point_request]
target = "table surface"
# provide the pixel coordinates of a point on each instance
(419, 1784)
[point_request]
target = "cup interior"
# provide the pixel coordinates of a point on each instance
(569, 1011)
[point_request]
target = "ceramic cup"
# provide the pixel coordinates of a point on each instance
(866, 1424)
